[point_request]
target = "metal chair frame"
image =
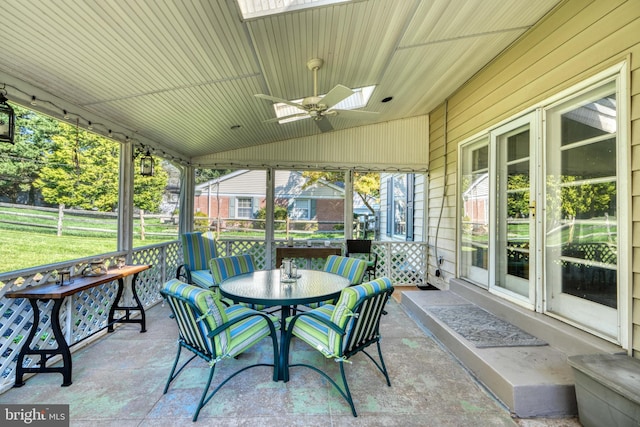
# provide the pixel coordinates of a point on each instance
(192, 339)
(364, 332)
(355, 246)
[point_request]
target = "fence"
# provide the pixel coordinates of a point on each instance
(66, 221)
(74, 220)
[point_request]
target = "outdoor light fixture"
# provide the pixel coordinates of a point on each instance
(146, 164)
(7, 120)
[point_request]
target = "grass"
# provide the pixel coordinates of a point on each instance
(24, 249)
(24, 246)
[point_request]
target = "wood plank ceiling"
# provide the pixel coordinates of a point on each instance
(181, 73)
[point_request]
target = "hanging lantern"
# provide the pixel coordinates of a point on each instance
(146, 164)
(7, 120)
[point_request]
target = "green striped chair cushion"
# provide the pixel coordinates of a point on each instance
(224, 267)
(249, 331)
(209, 314)
(351, 268)
(195, 326)
(198, 249)
(325, 339)
(202, 278)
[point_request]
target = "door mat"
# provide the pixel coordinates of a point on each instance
(482, 328)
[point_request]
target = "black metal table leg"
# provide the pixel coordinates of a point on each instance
(45, 354)
(284, 313)
(137, 308)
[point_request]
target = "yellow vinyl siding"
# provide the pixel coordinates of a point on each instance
(574, 42)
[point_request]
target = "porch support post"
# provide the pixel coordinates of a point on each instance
(348, 204)
(270, 209)
(125, 198)
(187, 195)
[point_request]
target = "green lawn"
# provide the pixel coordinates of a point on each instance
(24, 249)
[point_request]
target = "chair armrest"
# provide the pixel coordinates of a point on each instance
(327, 322)
(185, 272)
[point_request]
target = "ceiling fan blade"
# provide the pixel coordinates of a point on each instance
(354, 114)
(290, 116)
(324, 125)
(335, 95)
(278, 100)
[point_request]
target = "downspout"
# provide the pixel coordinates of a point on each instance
(444, 191)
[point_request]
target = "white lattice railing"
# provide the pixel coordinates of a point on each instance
(85, 313)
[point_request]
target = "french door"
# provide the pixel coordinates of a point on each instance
(581, 224)
(514, 184)
(544, 209)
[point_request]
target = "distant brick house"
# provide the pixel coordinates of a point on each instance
(241, 194)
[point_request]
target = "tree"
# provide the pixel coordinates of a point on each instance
(81, 170)
(204, 175)
(20, 163)
(148, 190)
(365, 184)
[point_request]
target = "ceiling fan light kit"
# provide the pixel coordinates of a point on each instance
(318, 107)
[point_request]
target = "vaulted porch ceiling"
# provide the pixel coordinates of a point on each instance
(182, 73)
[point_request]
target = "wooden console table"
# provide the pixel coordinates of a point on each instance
(304, 252)
(58, 293)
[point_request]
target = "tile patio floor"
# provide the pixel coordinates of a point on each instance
(118, 381)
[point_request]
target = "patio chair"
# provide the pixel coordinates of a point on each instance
(223, 268)
(362, 249)
(214, 332)
(351, 268)
(340, 331)
(197, 250)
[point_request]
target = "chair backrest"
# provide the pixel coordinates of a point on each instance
(358, 312)
(358, 246)
(351, 268)
(197, 311)
(198, 249)
(224, 267)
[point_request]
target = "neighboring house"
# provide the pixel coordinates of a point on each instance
(402, 207)
(241, 194)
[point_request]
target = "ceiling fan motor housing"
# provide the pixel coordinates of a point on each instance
(312, 103)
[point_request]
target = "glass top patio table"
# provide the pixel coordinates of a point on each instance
(264, 287)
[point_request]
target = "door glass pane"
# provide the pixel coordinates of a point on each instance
(474, 246)
(513, 198)
(582, 240)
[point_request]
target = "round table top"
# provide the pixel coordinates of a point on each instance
(264, 287)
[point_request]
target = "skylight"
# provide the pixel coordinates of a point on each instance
(257, 8)
(359, 99)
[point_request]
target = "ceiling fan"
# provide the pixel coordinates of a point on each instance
(320, 107)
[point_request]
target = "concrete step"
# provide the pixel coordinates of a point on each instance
(530, 381)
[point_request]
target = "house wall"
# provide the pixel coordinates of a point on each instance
(419, 208)
(329, 210)
(200, 205)
(577, 40)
